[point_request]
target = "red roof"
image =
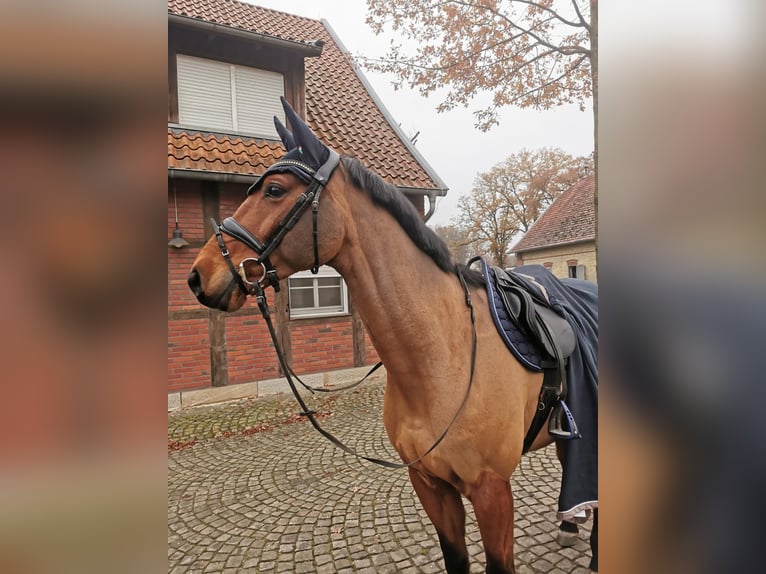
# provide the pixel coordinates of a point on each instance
(245, 17)
(569, 219)
(192, 150)
(339, 107)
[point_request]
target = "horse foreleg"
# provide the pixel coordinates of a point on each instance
(493, 505)
(445, 508)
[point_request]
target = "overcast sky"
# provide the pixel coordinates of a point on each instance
(449, 141)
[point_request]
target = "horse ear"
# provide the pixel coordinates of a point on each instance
(314, 150)
(287, 138)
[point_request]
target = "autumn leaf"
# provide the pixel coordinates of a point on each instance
(525, 53)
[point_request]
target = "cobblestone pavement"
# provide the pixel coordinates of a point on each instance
(254, 488)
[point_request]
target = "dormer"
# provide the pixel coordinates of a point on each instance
(224, 79)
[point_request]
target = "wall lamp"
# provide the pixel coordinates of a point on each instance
(177, 241)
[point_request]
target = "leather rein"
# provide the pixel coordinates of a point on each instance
(310, 196)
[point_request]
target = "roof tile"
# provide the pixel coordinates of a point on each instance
(338, 107)
(570, 218)
(243, 16)
(195, 150)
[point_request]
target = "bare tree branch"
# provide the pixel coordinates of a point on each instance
(555, 14)
(410, 62)
(565, 50)
(548, 83)
(579, 15)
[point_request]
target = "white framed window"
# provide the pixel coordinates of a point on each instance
(226, 97)
(576, 271)
(321, 295)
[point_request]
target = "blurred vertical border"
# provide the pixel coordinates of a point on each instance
(682, 284)
(83, 102)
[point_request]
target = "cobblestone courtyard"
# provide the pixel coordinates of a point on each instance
(254, 488)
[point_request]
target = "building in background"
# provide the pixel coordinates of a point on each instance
(564, 237)
(228, 64)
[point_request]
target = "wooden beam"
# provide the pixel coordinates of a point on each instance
(219, 364)
(282, 322)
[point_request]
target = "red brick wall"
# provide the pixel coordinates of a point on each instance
(232, 195)
(188, 354)
(191, 225)
(189, 209)
(188, 346)
(180, 262)
(249, 350)
(322, 345)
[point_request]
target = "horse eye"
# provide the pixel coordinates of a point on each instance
(274, 191)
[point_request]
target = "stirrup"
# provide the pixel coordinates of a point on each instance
(562, 424)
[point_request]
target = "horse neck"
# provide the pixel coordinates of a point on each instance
(408, 304)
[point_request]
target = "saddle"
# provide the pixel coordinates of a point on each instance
(540, 337)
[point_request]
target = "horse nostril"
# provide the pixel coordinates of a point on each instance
(195, 282)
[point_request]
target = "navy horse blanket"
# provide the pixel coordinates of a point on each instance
(577, 301)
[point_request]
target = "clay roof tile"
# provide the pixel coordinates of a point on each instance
(569, 219)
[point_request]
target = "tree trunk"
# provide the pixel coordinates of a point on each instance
(594, 81)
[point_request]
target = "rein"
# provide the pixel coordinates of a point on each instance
(233, 228)
(260, 297)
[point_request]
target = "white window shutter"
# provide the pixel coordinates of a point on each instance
(204, 94)
(257, 101)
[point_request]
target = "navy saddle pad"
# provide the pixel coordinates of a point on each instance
(532, 352)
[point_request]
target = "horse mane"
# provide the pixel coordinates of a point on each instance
(403, 211)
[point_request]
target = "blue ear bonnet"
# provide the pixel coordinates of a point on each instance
(305, 155)
(292, 162)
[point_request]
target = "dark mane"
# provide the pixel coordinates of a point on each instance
(392, 200)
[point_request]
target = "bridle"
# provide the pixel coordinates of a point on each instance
(233, 228)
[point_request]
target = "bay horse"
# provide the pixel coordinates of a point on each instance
(412, 298)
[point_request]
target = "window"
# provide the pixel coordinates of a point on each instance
(318, 295)
(576, 271)
(226, 97)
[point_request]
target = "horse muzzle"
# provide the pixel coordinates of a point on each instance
(220, 301)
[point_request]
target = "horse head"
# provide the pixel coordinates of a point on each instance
(280, 228)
